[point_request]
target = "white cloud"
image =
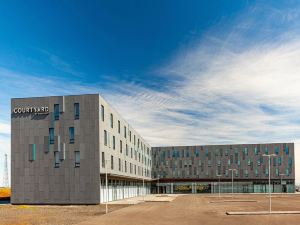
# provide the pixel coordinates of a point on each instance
(226, 89)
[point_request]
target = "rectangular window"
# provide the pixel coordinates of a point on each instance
(56, 159)
(105, 137)
(111, 162)
(130, 135)
(51, 135)
(56, 111)
(125, 134)
(114, 142)
(119, 127)
(76, 111)
(71, 133)
(126, 150)
(32, 152)
(111, 120)
(77, 158)
(119, 164)
(103, 160)
(102, 112)
(131, 155)
(121, 147)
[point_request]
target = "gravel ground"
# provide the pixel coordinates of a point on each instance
(54, 215)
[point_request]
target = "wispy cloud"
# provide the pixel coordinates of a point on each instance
(236, 85)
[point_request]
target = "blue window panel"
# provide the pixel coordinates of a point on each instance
(267, 172)
(279, 160)
(255, 151)
(187, 153)
(266, 150)
(290, 161)
(287, 173)
(236, 173)
(51, 135)
(197, 152)
(32, 155)
(206, 152)
(276, 150)
(174, 154)
(277, 172)
(229, 162)
(246, 173)
(56, 111)
(249, 162)
(72, 134)
(256, 172)
(246, 151)
(226, 173)
(76, 111)
(226, 152)
(287, 151)
(239, 162)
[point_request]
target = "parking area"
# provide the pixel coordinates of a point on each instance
(166, 210)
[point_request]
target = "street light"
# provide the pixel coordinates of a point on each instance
(157, 184)
(219, 176)
(281, 175)
(232, 180)
(270, 201)
(106, 186)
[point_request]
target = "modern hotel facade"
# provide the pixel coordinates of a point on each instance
(201, 169)
(63, 146)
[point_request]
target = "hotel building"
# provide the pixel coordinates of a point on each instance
(63, 146)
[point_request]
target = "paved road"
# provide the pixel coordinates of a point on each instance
(197, 209)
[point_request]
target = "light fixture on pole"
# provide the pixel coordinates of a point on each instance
(219, 176)
(269, 158)
(158, 184)
(232, 180)
(106, 187)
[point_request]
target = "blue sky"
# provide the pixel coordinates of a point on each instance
(196, 72)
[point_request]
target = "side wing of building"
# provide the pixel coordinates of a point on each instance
(124, 155)
(196, 164)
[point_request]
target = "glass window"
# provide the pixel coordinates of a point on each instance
(266, 150)
(130, 135)
(76, 111)
(256, 172)
(119, 164)
(103, 160)
(77, 158)
(126, 150)
(105, 137)
(125, 133)
(111, 162)
(276, 150)
(71, 133)
(279, 160)
(287, 150)
(102, 112)
(287, 173)
(121, 146)
(111, 120)
(51, 135)
(32, 152)
(114, 142)
(56, 111)
(56, 159)
(119, 127)
(255, 151)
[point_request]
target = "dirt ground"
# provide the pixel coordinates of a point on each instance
(54, 215)
(184, 210)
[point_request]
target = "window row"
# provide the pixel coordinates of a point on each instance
(57, 111)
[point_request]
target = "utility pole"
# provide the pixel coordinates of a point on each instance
(5, 174)
(232, 180)
(270, 197)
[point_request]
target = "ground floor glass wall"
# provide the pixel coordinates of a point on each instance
(121, 189)
(225, 187)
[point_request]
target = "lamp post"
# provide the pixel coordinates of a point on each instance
(157, 184)
(232, 180)
(219, 176)
(270, 201)
(106, 187)
(281, 175)
(143, 189)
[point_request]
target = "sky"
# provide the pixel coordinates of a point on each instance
(180, 72)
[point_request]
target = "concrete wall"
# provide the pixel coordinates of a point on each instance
(38, 181)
